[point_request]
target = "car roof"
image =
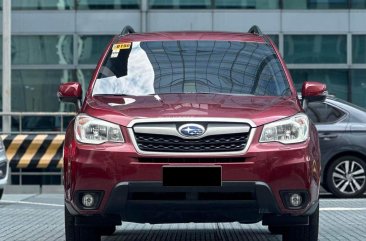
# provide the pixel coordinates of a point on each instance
(175, 36)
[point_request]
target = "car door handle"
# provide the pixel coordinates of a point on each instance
(327, 136)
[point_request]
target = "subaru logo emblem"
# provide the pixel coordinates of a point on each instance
(191, 130)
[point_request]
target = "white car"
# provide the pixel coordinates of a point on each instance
(4, 167)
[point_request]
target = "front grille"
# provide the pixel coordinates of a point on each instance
(215, 143)
(191, 160)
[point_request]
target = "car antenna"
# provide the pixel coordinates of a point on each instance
(127, 30)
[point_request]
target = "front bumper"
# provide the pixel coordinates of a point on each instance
(4, 169)
(151, 202)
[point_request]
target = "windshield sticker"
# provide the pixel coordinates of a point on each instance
(118, 47)
(114, 54)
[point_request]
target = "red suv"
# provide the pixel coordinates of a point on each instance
(191, 127)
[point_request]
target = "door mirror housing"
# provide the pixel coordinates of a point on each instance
(314, 91)
(70, 92)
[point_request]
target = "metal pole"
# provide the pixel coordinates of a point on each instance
(6, 95)
(144, 8)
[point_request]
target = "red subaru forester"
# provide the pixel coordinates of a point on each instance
(191, 127)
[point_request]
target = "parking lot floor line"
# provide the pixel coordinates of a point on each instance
(32, 203)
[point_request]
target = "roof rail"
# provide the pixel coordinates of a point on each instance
(127, 29)
(255, 30)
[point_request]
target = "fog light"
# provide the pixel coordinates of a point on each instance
(295, 200)
(1, 174)
(88, 200)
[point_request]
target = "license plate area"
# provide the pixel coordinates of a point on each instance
(192, 176)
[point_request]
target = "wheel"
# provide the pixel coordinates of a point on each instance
(1, 193)
(346, 177)
(108, 230)
(305, 232)
(276, 229)
(77, 233)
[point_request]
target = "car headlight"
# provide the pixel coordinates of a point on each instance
(287, 131)
(95, 131)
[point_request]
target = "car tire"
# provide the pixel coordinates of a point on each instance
(77, 233)
(1, 193)
(108, 230)
(276, 229)
(347, 182)
(305, 232)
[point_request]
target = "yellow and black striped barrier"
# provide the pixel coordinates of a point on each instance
(34, 151)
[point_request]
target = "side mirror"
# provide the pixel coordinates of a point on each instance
(70, 92)
(312, 92)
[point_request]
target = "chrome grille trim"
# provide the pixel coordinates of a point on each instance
(173, 119)
(247, 125)
(191, 160)
(212, 129)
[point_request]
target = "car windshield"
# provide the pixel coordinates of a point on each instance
(162, 67)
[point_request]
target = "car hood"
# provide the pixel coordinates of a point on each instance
(259, 109)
